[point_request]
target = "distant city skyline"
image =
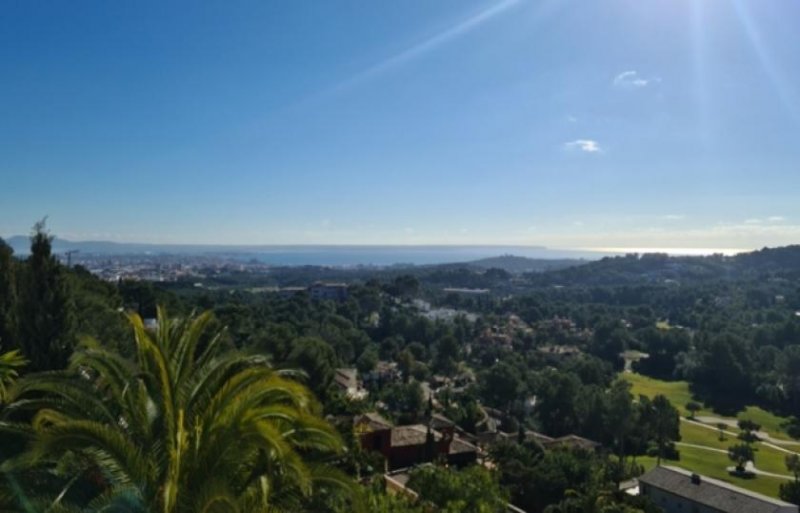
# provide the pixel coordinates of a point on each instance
(614, 124)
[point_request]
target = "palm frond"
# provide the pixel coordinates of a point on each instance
(85, 434)
(184, 428)
(10, 363)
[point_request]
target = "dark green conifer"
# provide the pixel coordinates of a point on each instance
(7, 295)
(45, 316)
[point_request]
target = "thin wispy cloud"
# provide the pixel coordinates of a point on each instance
(768, 220)
(633, 80)
(431, 43)
(673, 217)
(584, 145)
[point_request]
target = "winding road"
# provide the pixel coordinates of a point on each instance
(749, 466)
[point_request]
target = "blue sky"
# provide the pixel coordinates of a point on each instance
(566, 123)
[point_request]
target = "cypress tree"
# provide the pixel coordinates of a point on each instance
(46, 313)
(7, 295)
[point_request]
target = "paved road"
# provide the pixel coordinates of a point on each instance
(703, 447)
(749, 466)
(763, 435)
(735, 435)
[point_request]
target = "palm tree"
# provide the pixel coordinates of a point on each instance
(593, 499)
(186, 427)
(10, 363)
(10, 432)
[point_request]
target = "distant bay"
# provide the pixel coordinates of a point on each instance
(346, 255)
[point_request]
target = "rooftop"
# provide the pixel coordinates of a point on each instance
(573, 441)
(346, 377)
(371, 422)
(329, 284)
(539, 437)
(710, 492)
(459, 446)
(439, 421)
(412, 435)
(458, 290)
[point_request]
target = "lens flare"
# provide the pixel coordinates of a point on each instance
(770, 67)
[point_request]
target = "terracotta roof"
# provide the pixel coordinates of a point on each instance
(460, 446)
(412, 435)
(372, 422)
(714, 494)
(573, 441)
(539, 437)
(439, 421)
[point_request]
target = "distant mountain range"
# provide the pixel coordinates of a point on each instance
(517, 264)
(781, 262)
(546, 266)
(21, 245)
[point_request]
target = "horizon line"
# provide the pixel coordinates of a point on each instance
(621, 250)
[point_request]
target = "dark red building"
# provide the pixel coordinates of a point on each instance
(406, 446)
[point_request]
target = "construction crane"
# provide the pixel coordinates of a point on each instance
(69, 256)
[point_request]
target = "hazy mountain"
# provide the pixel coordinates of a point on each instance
(518, 264)
(21, 245)
(781, 262)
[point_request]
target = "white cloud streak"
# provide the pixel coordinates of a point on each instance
(768, 220)
(584, 145)
(632, 80)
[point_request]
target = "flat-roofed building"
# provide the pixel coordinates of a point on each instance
(287, 292)
(322, 291)
(348, 383)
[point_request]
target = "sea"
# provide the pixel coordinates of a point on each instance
(353, 255)
(383, 256)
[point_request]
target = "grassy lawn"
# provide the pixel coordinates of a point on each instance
(676, 391)
(770, 460)
(711, 464)
(678, 394)
(770, 422)
(693, 434)
(767, 458)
